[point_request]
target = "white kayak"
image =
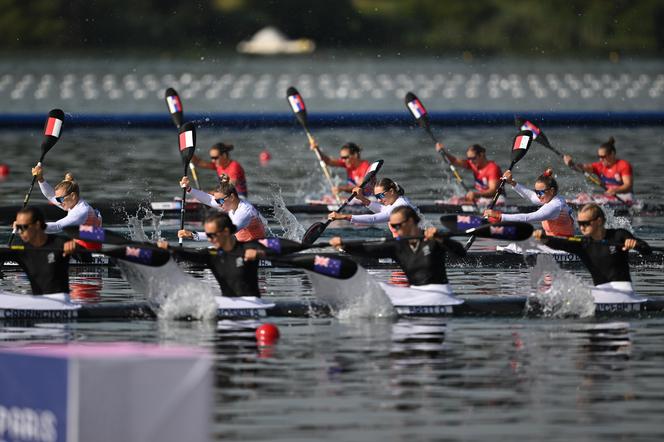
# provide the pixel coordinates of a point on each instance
(56, 306)
(616, 296)
(427, 299)
(242, 306)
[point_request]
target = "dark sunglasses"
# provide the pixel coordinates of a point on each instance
(344, 157)
(61, 199)
(214, 158)
(211, 234)
(220, 201)
(397, 226)
(471, 158)
(20, 228)
(540, 192)
(585, 223)
(379, 196)
(601, 157)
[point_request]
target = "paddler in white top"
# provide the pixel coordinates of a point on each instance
(389, 195)
(66, 195)
(245, 217)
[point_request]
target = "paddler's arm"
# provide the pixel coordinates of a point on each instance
(625, 187)
(202, 163)
(199, 256)
(572, 246)
(431, 233)
(201, 196)
(378, 250)
(631, 242)
(577, 166)
(454, 160)
(326, 159)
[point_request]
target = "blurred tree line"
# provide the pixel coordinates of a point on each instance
(482, 27)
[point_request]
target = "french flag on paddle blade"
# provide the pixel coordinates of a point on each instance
(531, 127)
(91, 233)
(465, 222)
(186, 140)
(53, 127)
(327, 266)
(174, 104)
(521, 142)
(271, 243)
(416, 108)
(137, 254)
(296, 103)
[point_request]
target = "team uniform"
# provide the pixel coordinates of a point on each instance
(612, 176)
(355, 174)
(490, 171)
(236, 173)
(245, 218)
(47, 269)
(381, 213)
(235, 276)
(555, 216)
(81, 214)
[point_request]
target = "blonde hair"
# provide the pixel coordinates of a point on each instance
(595, 210)
(68, 185)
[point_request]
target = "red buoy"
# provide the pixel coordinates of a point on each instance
(264, 157)
(267, 334)
(4, 170)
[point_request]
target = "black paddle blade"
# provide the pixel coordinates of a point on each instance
(297, 105)
(314, 232)
(456, 223)
(371, 173)
(331, 265)
(281, 246)
(52, 129)
(417, 109)
(509, 230)
(521, 144)
(95, 234)
(187, 140)
(174, 106)
(149, 256)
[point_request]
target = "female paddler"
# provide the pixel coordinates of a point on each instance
(350, 159)
(423, 260)
(66, 195)
(244, 216)
(554, 213)
(604, 252)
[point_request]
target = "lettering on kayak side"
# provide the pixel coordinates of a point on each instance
(241, 312)
(424, 309)
(565, 257)
(37, 314)
(28, 424)
(618, 307)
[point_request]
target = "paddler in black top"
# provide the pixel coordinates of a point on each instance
(603, 251)
(233, 263)
(423, 260)
(43, 257)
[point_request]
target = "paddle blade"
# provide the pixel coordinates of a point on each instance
(510, 230)
(521, 144)
(187, 139)
(456, 223)
(281, 246)
(174, 105)
(296, 104)
(538, 133)
(149, 256)
(52, 129)
(95, 234)
(417, 109)
(334, 266)
(371, 173)
(313, 233)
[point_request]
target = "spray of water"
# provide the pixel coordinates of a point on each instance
(292, 228)
(556, 293)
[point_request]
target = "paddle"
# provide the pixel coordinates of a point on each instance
(520, 146)
(187, 140)
(540, 137)
(316, 229)
(297, 106)
(419, 112)
(52, 131)
(580, 239)
(176, 110)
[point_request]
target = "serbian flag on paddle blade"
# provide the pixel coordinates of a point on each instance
(53, 127)
(417, 109)
(91, 233)
(271, 243)
(327, 266)
(186, 140)
(138, 254)
(296, 103)
(531, 127)
(174, 104)
(521, 142)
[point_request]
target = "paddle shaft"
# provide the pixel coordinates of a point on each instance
(576, 239)
(444, 154)
(323, 165)
(27, 197)
(184, 201)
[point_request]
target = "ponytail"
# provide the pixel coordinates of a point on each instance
(609, 145)
(387, 184)
(548, 180)
(68, 185)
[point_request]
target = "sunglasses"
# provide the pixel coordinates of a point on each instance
(585, 223)
(211, 234)
(61, 199)
(472, 158)
(397, 226)
(540, 193)
(344, 157)
(379, 196)
(220, 201)
(20, 228)
(214, 158)
(601, 157)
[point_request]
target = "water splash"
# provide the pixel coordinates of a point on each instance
(356, 297)
(171, 292)
(292, 228)
(616, 222)
(556, 293)
(136, 225)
